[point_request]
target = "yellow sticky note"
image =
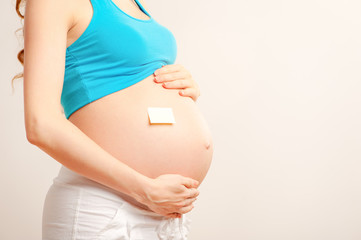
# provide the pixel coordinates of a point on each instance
(160, 115)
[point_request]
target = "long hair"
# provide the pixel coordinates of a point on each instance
(20, 56)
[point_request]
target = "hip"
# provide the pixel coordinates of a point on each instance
(78, 208)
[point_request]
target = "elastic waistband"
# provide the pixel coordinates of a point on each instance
(72, 179)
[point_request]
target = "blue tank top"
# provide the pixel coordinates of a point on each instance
(114, 52)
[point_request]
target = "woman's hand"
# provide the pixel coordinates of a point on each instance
(177, 77)
(171, 195)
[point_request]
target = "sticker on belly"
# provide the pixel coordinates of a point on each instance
(160, 115)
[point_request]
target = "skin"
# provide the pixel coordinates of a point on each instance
(50, 26)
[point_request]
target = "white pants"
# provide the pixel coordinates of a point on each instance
(77, 208)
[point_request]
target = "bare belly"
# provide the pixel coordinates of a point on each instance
(119, 123)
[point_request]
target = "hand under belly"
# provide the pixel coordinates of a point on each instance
(119, 123)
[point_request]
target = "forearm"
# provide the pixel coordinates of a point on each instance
(68, 145)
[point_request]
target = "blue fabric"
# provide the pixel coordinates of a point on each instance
(114, 52)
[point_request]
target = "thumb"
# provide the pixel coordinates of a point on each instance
(190, 183)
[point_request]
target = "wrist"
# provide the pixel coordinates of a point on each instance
(141, 188)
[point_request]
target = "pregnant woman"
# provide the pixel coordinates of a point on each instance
(93, 71)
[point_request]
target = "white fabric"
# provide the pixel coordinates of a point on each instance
(77, 208)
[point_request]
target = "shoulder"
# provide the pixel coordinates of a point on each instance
(52, 11)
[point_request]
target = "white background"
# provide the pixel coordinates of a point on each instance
(281, 91)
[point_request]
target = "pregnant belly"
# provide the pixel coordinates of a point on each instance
(119, 123)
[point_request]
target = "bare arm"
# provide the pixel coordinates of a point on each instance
(46, 25)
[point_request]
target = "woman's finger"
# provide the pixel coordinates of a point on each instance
(171, 215)
(186, 209)
(168, 69)
(186, 202)
(164, 77)
(191, 193)
(190, 182)
(181, 84)
(174, 215)
(190, 92)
